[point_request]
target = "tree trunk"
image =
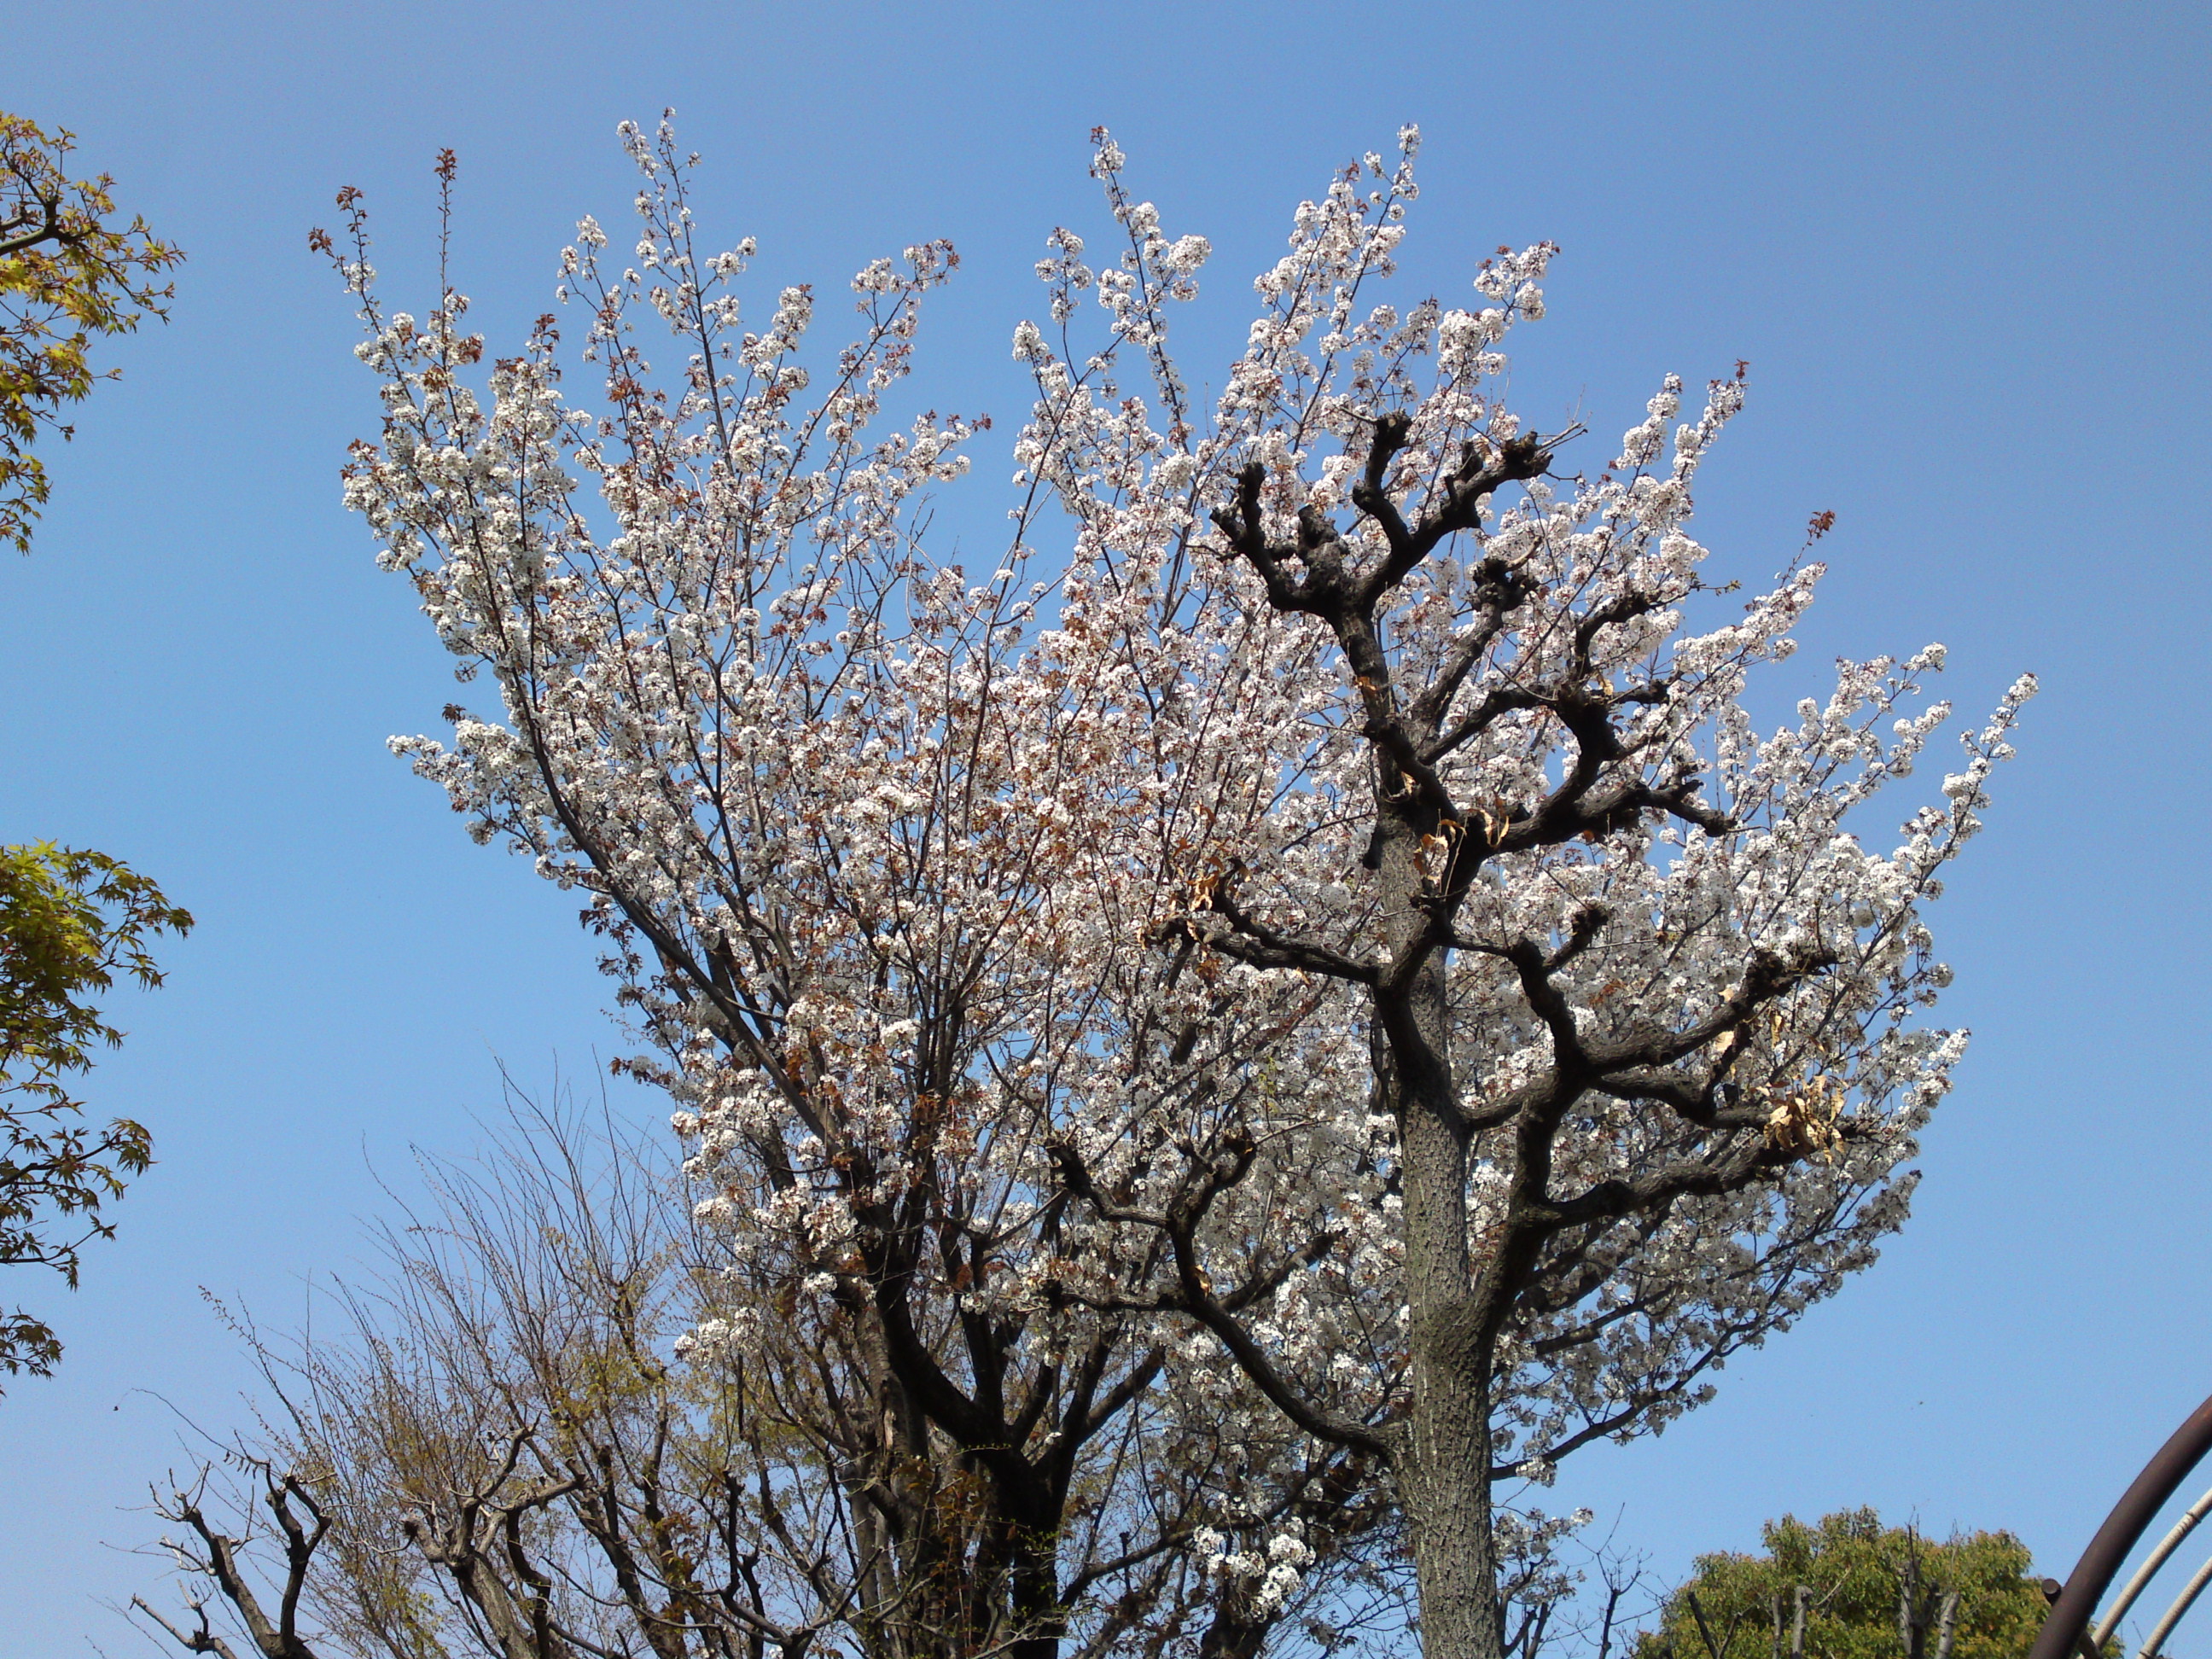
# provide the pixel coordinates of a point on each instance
(1037, 1617)
(1443, 1464)
(1948, 1625)
(1443, 1481)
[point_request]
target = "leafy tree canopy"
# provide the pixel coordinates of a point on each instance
(1869, 1592)
(67, 272)
(69, 921)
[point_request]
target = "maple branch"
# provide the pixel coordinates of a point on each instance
(48, 231)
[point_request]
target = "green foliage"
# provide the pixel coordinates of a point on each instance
(69, 921)
(1861, 1576)
(66, 274)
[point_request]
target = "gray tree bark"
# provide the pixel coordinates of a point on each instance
(1443, 1463)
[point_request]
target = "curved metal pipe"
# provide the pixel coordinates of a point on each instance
(2174, 1614)
(2139, 1505)
(2145, 1573)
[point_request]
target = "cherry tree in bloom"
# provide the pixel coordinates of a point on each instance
(1299, 995)
(846, 842)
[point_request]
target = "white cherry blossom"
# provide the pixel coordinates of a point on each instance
(1303, 994)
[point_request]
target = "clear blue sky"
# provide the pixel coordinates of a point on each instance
(1963, 247)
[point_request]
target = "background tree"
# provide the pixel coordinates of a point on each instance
(67, 273)
(1322, 978)
(1853, 1589)
(69, 921)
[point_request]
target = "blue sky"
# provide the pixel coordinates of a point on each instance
(1963, 247)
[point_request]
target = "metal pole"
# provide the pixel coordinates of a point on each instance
(2145, 1573)
(2138, 1506)
(2177, 1612)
